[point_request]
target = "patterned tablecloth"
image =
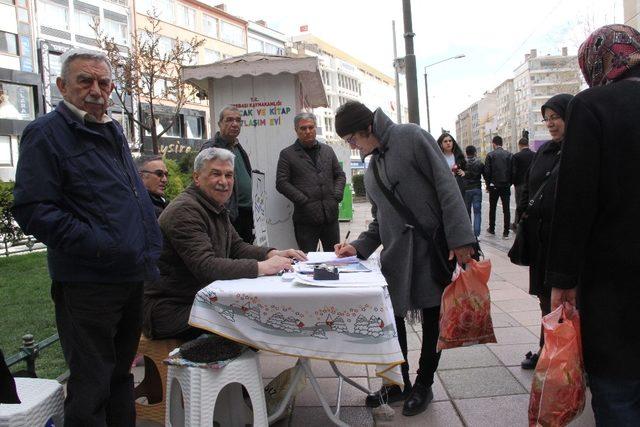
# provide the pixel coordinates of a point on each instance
(341, 324)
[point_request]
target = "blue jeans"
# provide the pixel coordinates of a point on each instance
(474, 198)
(615, 402)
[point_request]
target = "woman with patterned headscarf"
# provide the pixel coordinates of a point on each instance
(595, 242)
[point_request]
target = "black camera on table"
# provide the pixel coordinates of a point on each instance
(325, 272)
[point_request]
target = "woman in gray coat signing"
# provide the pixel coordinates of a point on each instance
(420, 220)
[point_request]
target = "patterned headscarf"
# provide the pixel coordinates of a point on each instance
(608, 53)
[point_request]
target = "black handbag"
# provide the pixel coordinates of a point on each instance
(440, 266)
(519, 252)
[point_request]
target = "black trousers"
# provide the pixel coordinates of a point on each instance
(429, 357)
(519, 189)
(244, 224)
(503, 193)
(307, 236)
(99, 326)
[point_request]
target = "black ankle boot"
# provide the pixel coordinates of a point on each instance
(387, 394)
(418, 400)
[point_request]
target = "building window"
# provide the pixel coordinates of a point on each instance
(186, 16)
(53, 15)
(255, 45)
(16, 102)
(211, 56)
(328, 124)
(232, 34)
(163, 121)
(165, 45)
(164, 8)
(84, 21)
(7, 2)
(194, 127)
(55, 66)
(117, 29)
(272, 49)
(210, 26)
(8, 43)
(6, 155)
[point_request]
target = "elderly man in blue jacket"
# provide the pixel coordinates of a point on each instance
(78, 191)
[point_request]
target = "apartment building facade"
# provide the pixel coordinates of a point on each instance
(476, 125)
(20, 87)
(263, 39)
(225, 35)
(536, 80)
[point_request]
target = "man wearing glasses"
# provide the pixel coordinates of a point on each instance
(240, 203)
(155, 176)
(78, 191)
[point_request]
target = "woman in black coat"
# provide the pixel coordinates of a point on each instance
(454, 157)
(538, 217)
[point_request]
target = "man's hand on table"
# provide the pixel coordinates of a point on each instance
(344, 250)
(274, 265)
(288, 253)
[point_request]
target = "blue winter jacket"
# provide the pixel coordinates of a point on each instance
(90, 208)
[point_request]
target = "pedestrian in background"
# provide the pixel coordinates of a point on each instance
(78, 192)
(520, 163)
(473, 188)
(310, 175)
(594, 243)
(497, 174)
(418, 218)
(543, 173)
(454, 157)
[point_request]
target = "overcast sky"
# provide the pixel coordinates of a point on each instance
(493, 34)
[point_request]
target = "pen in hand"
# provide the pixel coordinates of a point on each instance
(344, 242)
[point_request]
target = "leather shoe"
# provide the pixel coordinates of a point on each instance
(418, 400)
(530, 361)
(490, 231)
(387, 394)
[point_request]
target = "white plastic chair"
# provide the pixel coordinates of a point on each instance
(40, 399)
(201, 389)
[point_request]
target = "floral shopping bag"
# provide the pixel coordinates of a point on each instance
(558, 389)
(465, 311)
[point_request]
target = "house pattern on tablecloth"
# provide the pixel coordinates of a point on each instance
(362, 322)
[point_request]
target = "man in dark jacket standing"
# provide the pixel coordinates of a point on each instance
(310, 176)
(497, 175)
(240, 203)
(520, 163)
(154, 175)
(473, 187)
(78, 191)
(201, 246)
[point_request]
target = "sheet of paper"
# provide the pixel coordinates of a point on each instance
(347, 280)
(329, 257)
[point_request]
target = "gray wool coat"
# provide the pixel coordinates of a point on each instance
(413, 166)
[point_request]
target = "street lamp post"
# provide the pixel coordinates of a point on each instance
(426, 85)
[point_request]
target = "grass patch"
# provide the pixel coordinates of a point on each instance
(26, 308)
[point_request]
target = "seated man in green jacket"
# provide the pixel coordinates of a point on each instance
(201, 246)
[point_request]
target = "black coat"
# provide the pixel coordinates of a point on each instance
(497, 168)
(315, 189)
(595, 241)
(473, 173)
(538, 222)
(520, 163)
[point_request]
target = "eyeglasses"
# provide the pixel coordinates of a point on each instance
(350, 140)
(158, 172)
(551, 118)
(233, 119)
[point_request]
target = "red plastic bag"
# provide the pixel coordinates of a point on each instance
(465, 311)
(558, 389)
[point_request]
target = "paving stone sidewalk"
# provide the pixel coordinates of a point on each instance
(482, 385)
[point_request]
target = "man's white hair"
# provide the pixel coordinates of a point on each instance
(79, 53)
(213, 154)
